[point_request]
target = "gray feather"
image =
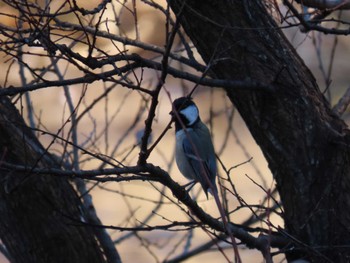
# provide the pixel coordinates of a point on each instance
(198, 158)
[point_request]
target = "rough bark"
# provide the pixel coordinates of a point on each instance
(305, 144)
(38, 212)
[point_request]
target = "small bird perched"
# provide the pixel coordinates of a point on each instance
(195, 156)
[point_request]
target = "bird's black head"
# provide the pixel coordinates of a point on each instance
(182, 103)
(185, 113)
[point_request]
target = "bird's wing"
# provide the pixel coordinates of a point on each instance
(194, 153)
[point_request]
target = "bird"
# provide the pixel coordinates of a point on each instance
(194, 150)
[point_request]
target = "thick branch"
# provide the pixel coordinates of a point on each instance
(297, 131)
(33, 225)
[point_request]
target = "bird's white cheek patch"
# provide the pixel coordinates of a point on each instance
(191, 114)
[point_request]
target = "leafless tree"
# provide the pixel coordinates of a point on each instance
(84, 102)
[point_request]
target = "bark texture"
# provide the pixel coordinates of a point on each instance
(304, 142)
(36, 211)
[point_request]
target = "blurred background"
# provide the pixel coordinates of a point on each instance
(110, 119)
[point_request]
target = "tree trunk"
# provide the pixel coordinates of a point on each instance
(39, 214)
(304, 142)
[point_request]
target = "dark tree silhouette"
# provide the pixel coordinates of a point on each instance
(46, 208)
(304, 141)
